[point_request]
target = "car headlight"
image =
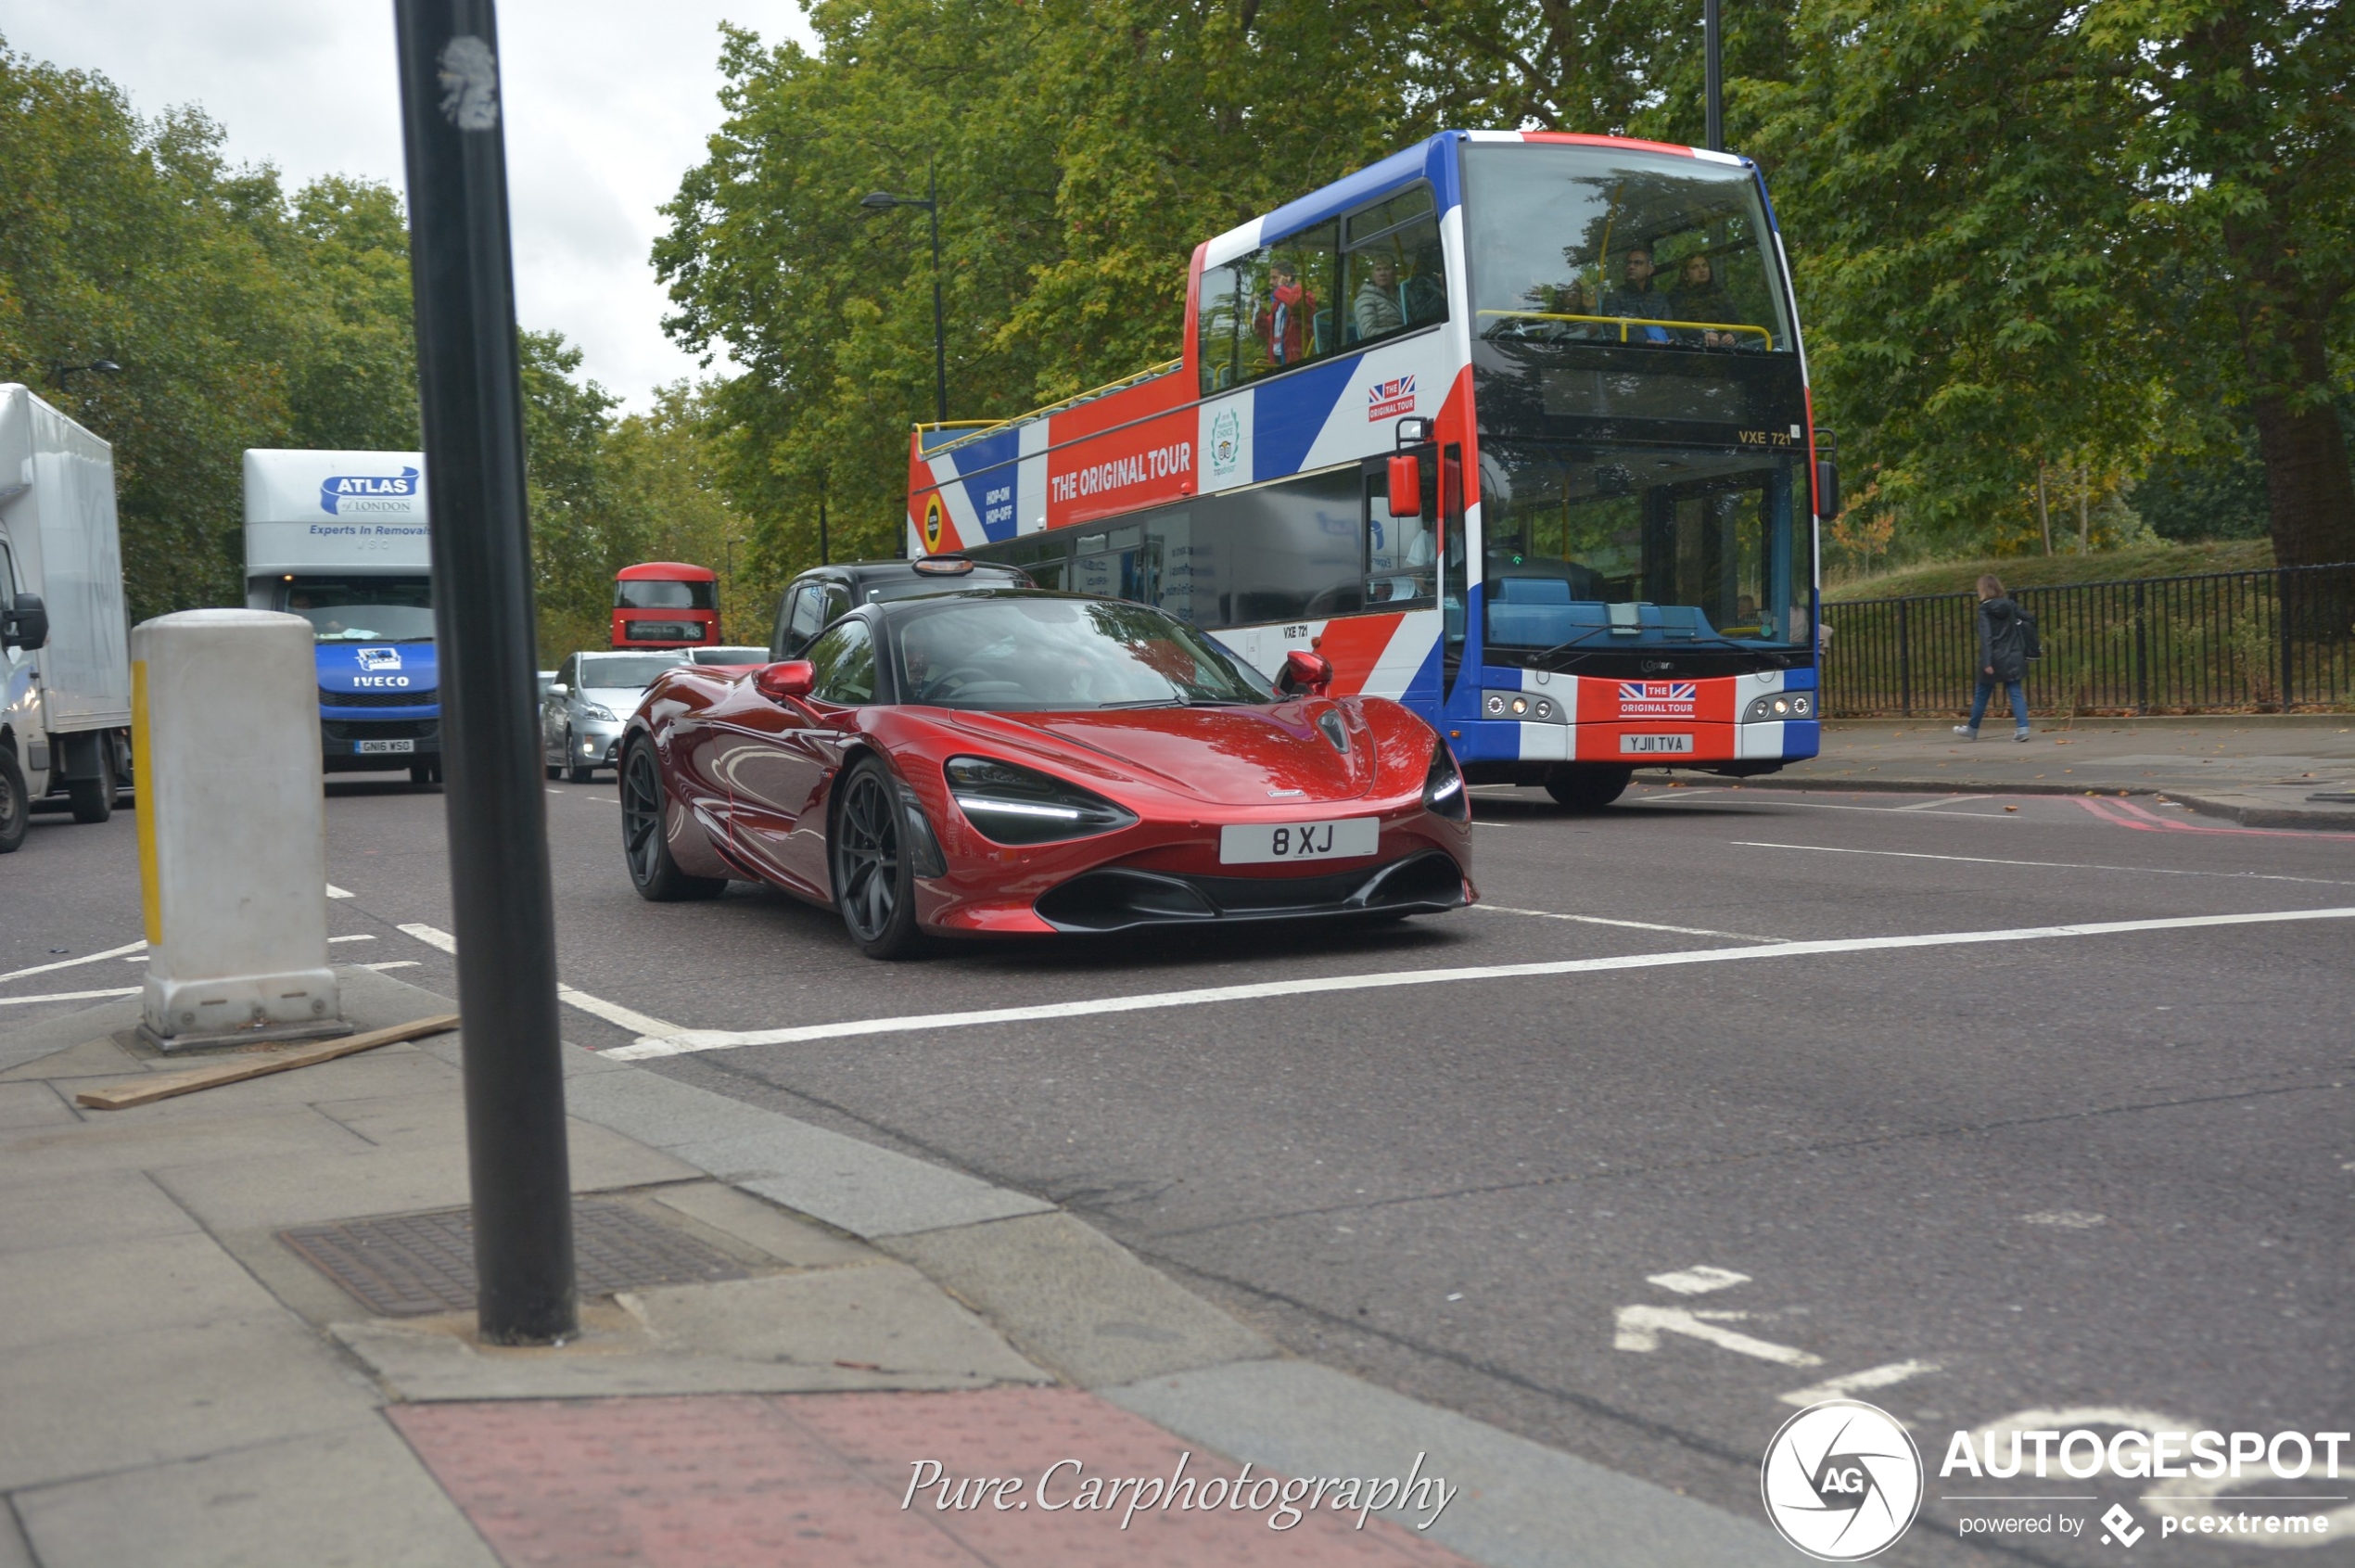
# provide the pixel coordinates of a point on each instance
(1780, 705)
(1444, 785)
(590, 710)
(1015, 805)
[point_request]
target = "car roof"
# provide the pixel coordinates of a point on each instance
(864, 571)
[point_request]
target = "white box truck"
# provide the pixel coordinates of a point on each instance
(65, 637)
(341, 539)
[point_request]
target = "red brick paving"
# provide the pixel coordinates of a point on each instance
(758, 1481)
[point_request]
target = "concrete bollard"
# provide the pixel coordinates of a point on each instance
(233, 844)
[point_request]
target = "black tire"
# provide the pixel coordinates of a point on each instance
(645, 847)
(424, 775)
(874, 880)
(574, 771)
(93, 799)
(1588, 789)
(16, 802)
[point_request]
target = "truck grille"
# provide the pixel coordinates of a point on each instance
(377, 699)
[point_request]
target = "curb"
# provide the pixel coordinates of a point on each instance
(2248, 811)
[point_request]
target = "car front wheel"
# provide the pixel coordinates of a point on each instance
(645, 843)
(874, 880)
(16, 802)
(574, 771)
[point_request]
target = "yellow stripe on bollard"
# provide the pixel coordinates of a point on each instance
(143, 758)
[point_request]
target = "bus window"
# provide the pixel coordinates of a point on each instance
(1393, 277)
(1577, 244)
(1220, 331)
(1402, 554)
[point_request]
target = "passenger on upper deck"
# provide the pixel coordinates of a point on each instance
(1284, 318)
(1698, 298)
(1381, 305)
(1637, 298)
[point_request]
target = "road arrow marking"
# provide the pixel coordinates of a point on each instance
(1640, 1329)
(1871, 1377)
(1698, 1279)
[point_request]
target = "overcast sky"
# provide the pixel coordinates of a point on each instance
(608, 105)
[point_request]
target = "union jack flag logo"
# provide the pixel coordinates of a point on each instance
(1386, 398)
(1657, 691)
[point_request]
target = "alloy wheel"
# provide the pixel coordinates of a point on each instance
(642, 814)
(866, 857)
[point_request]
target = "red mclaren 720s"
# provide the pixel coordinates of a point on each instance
(1007, 763)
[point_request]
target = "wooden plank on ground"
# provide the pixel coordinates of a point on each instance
(163, 1086)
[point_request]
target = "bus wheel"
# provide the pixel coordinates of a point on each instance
(1588, 789)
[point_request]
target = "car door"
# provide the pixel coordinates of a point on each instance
(551, 710)
(783, 755)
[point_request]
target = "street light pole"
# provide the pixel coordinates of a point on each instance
(1713, 46)
(939, 322)
(470, 395)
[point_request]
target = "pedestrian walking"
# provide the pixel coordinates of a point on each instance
(2004, 632)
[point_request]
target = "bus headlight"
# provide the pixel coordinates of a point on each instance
(1780, 705)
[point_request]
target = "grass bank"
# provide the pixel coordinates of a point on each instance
(2050, 571)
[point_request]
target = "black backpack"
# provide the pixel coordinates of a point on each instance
(2030, 644)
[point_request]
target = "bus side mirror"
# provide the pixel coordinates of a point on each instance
(1405, 487)
(788, 678)
(1304, 672)
(25, 624)
(1826, 488)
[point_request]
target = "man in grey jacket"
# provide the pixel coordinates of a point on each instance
(2003, 658)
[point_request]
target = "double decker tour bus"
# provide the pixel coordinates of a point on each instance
(1512, 427)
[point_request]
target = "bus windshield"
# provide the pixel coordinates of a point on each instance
(1596, 549)
(1601, 245)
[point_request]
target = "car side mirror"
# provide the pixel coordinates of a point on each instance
(1405, 487)
(1826, 488)
(25, 624)
(1304, 672)
(560, 690)
(789, 678)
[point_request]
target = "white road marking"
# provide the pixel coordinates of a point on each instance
(2048, 865)
(70, 962)
(2066, 1219)
(1636, 924)
(1696, 1280)
(1761, 797)
(688, 1041)
(336, 892)
(1942, 800)
(1639, 1328)
(70, 995)
(361, 938)
(1871, 1377)
(642, 1025)
(396, 963)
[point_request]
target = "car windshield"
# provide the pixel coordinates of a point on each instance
(1054, 655)
(632, 672)
(362, 609)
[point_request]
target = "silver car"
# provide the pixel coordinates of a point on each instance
(592, 697)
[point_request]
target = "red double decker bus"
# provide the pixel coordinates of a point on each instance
(666, 604)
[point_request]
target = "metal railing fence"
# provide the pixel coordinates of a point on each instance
(2268, 640)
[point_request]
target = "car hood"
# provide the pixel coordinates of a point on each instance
(1276, 755)
(377, 666)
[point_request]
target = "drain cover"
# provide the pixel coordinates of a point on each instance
(408, 1264)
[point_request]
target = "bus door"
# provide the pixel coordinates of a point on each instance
(1402, 554)
(1119, 562)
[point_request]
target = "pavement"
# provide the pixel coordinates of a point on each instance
(2259, 771)
(884, 1361)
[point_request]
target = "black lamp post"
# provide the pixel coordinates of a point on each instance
(57, 373)
(884, 201)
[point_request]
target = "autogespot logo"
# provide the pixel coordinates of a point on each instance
(1843, 1480)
